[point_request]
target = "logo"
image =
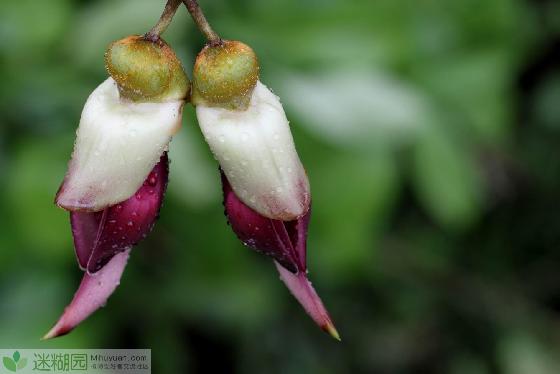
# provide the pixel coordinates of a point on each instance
(15, 362)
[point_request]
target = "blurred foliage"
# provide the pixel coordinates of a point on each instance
(430, 131)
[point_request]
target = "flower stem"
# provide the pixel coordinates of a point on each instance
(201, 22)
(164, 20)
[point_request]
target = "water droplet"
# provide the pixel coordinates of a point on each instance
(112, 221)
(279, 189)
(222, 139)
(114, 246)
(289, 170)
(130, 223)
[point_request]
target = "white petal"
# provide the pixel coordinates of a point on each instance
(118, 143)
(256, 151)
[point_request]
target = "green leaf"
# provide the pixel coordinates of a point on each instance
(9, 363)
(22, 363)
(356, 109)
(446, 180)
(16, 356)
(475, 89)
(349, 216)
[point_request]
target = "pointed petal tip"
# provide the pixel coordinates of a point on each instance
(303, 291)
(59, 329)
(93, 292)
(49, 335)
(53, 333)
(331, 330)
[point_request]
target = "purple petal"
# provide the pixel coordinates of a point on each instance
(91, 295)
(270, 237)
(98, 236)
(303, 291)
(286, 243)
(84, 230)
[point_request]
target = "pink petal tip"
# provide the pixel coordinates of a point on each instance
(303, 291)
(92, 294)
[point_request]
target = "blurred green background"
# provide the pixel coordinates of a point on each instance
(430, 131)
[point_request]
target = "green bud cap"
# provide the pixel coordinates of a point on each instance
(146, 70)
(225, 75)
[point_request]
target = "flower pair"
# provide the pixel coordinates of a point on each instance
(118, 173)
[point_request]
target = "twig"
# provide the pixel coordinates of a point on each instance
(201, 22)
(164, 20)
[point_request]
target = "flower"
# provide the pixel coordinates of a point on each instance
(266, 190)
(118, 173)
(286, 243)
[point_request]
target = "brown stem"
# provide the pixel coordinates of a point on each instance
(201, 22)
(164, 20)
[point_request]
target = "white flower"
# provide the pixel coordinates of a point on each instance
(256, 151)
(118, 143)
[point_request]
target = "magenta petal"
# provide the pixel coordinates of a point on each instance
(98, 236)
(84, 230)
(303, 291)
(265, 235)
(285, 241)
(91, 295)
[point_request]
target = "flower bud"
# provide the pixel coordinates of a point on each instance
(146, 70)
(126, 125)
(224, 75)
(103, 241)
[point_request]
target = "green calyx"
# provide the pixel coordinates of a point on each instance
(146, 70)
(225, 75)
